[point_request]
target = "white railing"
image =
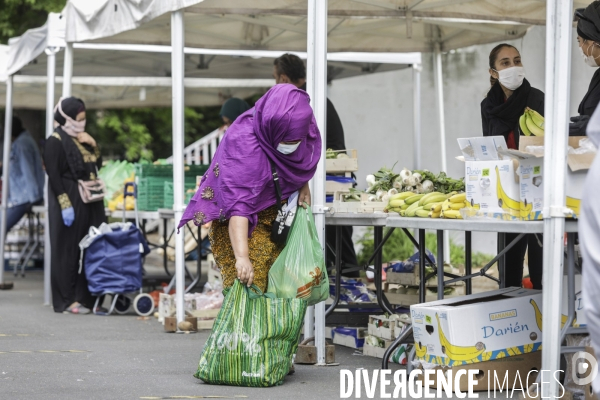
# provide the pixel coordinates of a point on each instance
(202, 151)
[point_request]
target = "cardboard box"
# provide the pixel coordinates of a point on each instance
(491, 178)
(532, 176)
(362, 206)
(410, 299)
(492, 187)
(204, 324)
(413, 278)
(342, 165)
(373, 351)
(581, 320)
(338, 184)
(500, 368)
(349, 337)
(376, 327)
(478, 327)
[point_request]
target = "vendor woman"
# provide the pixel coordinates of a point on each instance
(505, 102)
(588, 39)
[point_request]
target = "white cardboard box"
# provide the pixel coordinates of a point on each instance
(491, 178)
(532, 176)
(493, 187)
(349, 337)
(479, 327)
(579, 311)
(382, 332)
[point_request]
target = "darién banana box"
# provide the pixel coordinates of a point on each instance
(531, 173)
(478, 327)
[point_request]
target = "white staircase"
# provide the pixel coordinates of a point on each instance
(202, 151)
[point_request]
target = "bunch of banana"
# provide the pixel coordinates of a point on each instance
(531, 123)
(397, 202)
(450, 208)
(510, 206)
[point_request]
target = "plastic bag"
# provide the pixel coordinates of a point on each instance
(253, 339)
(299, 271)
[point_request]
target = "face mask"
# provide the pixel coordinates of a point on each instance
(71, 126)
(284, 148)
(589, 60)
(511, 78)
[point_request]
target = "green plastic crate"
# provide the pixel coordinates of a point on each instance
(166, 171)
(168, 199)
(150, 193)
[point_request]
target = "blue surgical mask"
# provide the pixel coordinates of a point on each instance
(287, 148)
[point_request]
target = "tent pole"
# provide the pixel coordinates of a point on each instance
(177, 74)
(559, 22)
(51, 73)
(317, 89)
(5, 180)
(417, 68)
(68, 71)
(439, 91)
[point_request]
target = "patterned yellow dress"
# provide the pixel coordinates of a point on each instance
(262, 251)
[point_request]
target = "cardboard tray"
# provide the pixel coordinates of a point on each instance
(342, 165)
(410, 299)
(362, 206)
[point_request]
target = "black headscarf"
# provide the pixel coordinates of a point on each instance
(588, 26)
(233, 108)
(71, 106)
(78, 167)
(503, 115)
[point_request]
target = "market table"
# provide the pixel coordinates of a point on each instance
(481, 225)
(377, 221)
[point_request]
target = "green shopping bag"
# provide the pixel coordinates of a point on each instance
(253, 339)
(299, 271)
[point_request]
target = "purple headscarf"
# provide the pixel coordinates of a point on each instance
(239, 181)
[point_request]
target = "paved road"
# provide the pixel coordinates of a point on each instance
(44, 355)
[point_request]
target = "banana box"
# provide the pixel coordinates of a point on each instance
(580, 319)
(492, 187)
(479, 327)
(531, 172)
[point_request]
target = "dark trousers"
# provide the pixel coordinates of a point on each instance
(515, 258)
(14, 214)
(348, 254)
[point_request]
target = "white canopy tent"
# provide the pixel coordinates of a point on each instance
(353, 25)
(115, 80)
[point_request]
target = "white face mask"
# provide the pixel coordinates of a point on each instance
(511, 78)
(589, 60)
(287, 148)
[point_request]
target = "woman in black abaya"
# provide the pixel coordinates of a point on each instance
(70, 154)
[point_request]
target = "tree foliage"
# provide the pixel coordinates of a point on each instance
(17, 16)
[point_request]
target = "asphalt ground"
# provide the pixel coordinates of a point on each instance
(45, 355)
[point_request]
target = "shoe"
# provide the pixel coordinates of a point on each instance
(101, 311)
(292, 370)
(77, 309)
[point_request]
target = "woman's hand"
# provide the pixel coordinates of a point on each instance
(304, 195)
(86, 138)
(245, 270)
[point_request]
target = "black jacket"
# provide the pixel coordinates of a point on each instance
(535, 101)
(592, 97)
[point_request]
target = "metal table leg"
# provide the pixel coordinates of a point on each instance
(502, 260)
(378, 264)
(440, 265)
(468, 262)
(338, 270)
(422, 253)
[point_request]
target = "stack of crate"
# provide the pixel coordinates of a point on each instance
(382, 331)
(339, 172)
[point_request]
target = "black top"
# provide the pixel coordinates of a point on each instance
(592, 97)
(56, 159)
(335, 131)
(500, 116)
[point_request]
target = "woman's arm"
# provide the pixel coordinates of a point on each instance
(304, 195)
(238, 234)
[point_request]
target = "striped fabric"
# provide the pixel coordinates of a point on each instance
(253, 339)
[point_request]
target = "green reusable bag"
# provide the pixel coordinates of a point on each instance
(253, 339)
(299, 271)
